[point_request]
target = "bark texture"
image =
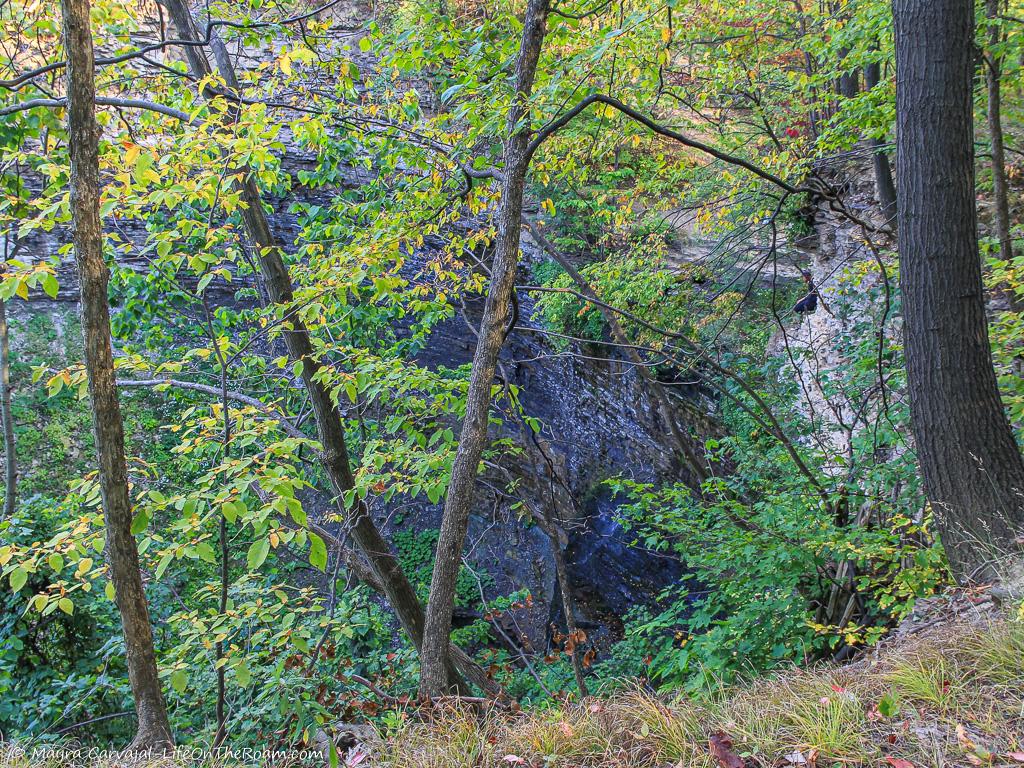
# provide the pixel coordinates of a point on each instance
(330, 428)
(497, 313)
(154, 731)
(972, 468)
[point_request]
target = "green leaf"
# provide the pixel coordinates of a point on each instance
(257, 553)
(56, 562)
(243, 675)
(297, 512)
(230, 511)
(66, 605)
(179, 680)
(50, 285)
(162, 565)
(434, 493)
(18, 578)
(888, 705)
(140, 522)
(317, 552)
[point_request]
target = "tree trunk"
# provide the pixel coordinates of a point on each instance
(885, 189)
(972, 468)
(497, 312)
(10, 453)
(848, 84)
(334, 454)
(154, 731)
(569, 608)
(993, 82)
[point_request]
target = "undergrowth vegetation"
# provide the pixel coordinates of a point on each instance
(950, 696)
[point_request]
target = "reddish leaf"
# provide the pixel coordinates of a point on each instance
(720, 746)
(1017, 757)
(898, 762)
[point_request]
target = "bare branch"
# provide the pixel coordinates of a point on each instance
(599, 98)
(106, 101)
(266, 408)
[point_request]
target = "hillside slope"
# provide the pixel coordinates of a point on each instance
(946, 690)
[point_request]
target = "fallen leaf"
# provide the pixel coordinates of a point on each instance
(966, 743)
(720, 746)
(898, 762)
(514, 759)
(1017, 757)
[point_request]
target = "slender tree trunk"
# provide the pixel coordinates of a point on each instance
(220, 708)
(334, 454)
(885, 189)
(154, 731)
(569, 607)
(551, 529)
(993, 82)
(493, 328)
(10, 453)
(972, 468)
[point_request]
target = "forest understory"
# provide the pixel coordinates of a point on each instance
(495, 383)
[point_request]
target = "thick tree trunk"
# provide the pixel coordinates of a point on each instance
(885, 189)
(334, 454)
(154, 731)
(972, 468)
(497, 313)
(7, 417)
(993, 83)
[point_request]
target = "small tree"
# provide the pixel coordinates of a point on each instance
(154, 731)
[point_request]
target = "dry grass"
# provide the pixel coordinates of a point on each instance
(954, 697)
(949, 698)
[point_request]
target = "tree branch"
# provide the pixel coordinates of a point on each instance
(106, 101)
(599, 98)
(269, 410)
